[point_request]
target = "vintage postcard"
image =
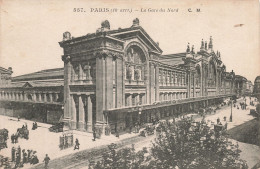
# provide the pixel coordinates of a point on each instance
(116, 84)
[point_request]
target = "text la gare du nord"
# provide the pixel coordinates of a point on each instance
(130, 10)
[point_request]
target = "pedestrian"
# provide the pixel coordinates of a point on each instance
(18, 159)
(24, 157)
(13, 154)
(117, 134)
(76, 144)
(218, 120)
(19, 151)
(46, 161)
(130, 128)
(16, 138)
(18, 118)
(94, 135)
(29, 155)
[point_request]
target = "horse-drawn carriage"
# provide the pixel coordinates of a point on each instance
(149, 130)
(3, 138)
(23, 133)
(220, 127)
(58, 127)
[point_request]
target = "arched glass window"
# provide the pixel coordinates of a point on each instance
(135, 60)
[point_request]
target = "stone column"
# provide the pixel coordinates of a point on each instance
(189, 84)
(100, 87)
(152, 83)
(108, 82)
(51, 97)
(56, 96)
(137, 99)
(67, 97)
(130, 100)
(34, 96)
(194, 85)
(157, 97)
(73, 115)
(81, 114)
(120, 82)
(90, 118)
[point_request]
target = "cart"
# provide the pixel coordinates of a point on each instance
(149, 130)
(58, 127)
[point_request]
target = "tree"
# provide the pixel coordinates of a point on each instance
(186, 144)
(182, 144)
(121, 159)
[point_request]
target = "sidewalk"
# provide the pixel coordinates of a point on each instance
(45, 142)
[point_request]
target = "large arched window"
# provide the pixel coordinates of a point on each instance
(135, 60)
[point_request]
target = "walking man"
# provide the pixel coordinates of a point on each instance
(13, 154)
(76, 144)
(46, 161)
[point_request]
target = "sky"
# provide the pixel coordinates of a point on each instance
(30, 30)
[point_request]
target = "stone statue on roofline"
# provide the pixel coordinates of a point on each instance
(66, 36)
(105, 25)
(135, 22)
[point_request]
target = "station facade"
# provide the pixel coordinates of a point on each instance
(120, 77)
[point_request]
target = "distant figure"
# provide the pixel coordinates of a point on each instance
(117, 134)
(12, 138)
(218, 120)
(24, 156)
(225, 118)
(130, 128)
(18, 118)
(35, 126)
(29, 155)
(46, 161)
(94, 135)
(76, 144)
(18, 159)
(34, 159)
(13, 154)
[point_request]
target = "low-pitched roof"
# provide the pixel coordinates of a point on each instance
(57, 73)
(172, 59)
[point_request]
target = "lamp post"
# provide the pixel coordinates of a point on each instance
(231, 116)
(139, 112)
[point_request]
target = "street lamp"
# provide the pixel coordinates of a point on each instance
(231, 116)
(139, 112)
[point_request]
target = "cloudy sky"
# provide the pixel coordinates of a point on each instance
(30, 30)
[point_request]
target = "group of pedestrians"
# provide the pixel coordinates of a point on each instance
(21, 157)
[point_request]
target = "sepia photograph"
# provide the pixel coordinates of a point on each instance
(120, 84)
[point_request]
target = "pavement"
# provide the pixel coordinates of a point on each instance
(45, 142)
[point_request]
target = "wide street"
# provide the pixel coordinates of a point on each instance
(45, 142)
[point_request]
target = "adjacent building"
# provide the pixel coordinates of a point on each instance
(256, 90)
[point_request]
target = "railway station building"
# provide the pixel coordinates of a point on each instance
(117, 78)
